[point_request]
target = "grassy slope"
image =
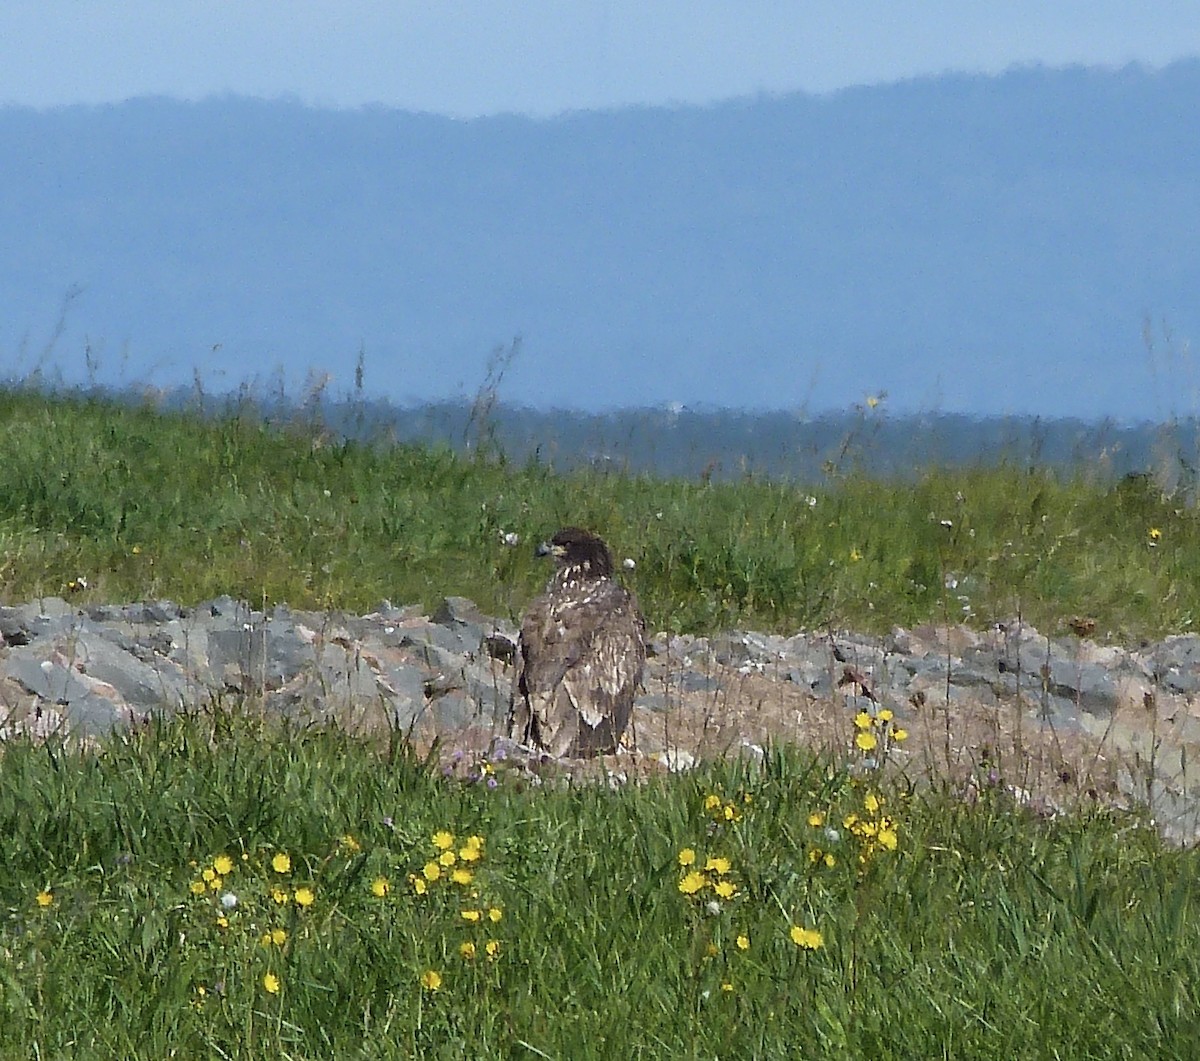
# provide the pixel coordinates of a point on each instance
(987, 933)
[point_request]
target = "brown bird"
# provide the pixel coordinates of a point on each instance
(579, 654)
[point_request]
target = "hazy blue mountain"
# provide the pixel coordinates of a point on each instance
(970, 244)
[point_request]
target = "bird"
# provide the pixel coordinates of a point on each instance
(580, 653)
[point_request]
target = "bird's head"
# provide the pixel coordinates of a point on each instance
(576, 548)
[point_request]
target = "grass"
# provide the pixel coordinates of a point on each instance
(147, 911)
(985, 932)
(134, 502)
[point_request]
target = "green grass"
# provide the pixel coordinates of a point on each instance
(985, 933)
(141, 503)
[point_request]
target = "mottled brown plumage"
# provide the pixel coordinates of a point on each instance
(579, 655)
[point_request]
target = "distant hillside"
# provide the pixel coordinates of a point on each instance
(971, 244)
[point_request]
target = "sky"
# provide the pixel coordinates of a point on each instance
(468, 58)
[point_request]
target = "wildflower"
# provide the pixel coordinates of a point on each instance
(726, 889)
(380, 887)
(198, 887)
(418, 884)
(351, 844)
(45, 898)
(431, 870)
(727, 986)
(467, 950)
(304, 897)
(855, 556)
(1155, 534)
(431, 980)
(495, 914)
(719, 866)
(278, 895)
(281, 862)
(712, 801)
(816, 819)
(862, 720)
(462, 876)
(692, 883)
(469, 853)
(447, 858)
(216, 884)
(731, 814)
(871, 802)
(888, 838)
(743, 942)
(443, 840)
(229, 900)
(687, 857)
(899, 735)
(865, 742)
(885, 715)
(492, 949)
(270, 983)
(208, 874)
(807, 938)
(472, 916)
(829, 860)
(222, 921)
(277, 936)
(223, 864)
(815, 855)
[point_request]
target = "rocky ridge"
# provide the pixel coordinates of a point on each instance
(1051, 719)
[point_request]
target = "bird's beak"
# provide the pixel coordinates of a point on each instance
(548, 549)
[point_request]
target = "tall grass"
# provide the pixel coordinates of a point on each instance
(135, 502)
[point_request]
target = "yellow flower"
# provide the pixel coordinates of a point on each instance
(731, 813)
(865, 742)
(816, 819)
(208, 873)
(743, 943)
(871, 802)
(447, 858)
(712, 950)
(687, 857)
(808, 938)
(270, 983)
(45, 898)
(304, 897)
(215, 884)
(443, 840)
(278, 895)
(469, 853)
(380, 887)
(855, 556)
(726, 889)
(888, 838)
(222, 921)
(720, 866)
(472, 916)
(862, 720)
(279, 936)
(899, 735)
(712, 801)
(814, 855)
(885, 715)
(1155, 534)
(492, 948)
(431, 870)
(727, 986)
(223, 864)
(197, 887)
(462, 876)
(692, 883)
(281, 862)
(467, 950)
(829, 861)
(431, 980)
(495, 914)
(351, 845)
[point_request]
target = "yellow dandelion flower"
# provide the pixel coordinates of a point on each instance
(447, 858)
(718, 865)
(855, 556)
(222, 921)
(470, 854)
(431, 870)
(418, 884)
(492, 949)
(462, 876)
(215, 884)
(351, 844)
(712, 801)
(865, 742)
(807, 938)
(304, 897)
(731, 813)
(270, 983)
(726, 889)
(687, 857)
(829, 861)
(223, 864)
(1155, 534)
(198, 887)
(899, 735)
(278, 895)
(495, 914)
(281, 862)
(467, 950)
(885, 715)
(473, 916)
(431, 980)
(727, 986)
(208, 873)
(45, 898)
(888, 839)
(692, 883)
(380, 886)
(816, 819)
(814, 855)
(862, 720)
(443, 840)
(850, 821)
(871, 802)
(743, 942)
